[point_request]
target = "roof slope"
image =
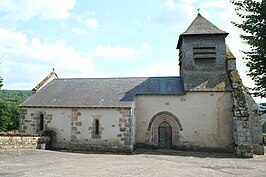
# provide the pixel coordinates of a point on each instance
(229, 54)
(101, 92)
(202, 26)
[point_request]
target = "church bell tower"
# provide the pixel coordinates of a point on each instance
(202, 57)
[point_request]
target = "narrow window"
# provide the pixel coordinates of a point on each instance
(96, 127)
(41, 122)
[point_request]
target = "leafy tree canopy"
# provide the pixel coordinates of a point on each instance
(253, 15)
(9, 116)
(1, 82)
(9, 110)
(14, 96)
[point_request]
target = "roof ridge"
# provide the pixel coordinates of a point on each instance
(119, 77)
(41, 84)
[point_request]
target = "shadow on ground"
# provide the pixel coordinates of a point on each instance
(168, 152)
(183, 153)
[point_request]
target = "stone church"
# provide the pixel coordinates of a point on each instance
(205, 108)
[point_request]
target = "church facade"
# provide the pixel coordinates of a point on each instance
(205, 108)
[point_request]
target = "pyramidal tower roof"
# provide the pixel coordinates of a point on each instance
(202, 26)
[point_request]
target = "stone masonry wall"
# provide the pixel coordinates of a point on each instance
(86, 137)
(241, 122)
(27, 141)
(246, 120)
(255, 126)
(204, 74)
(125, 127)
(29, 121)
(22, 125)
(75, 124)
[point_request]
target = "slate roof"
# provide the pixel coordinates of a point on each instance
(202, 26)
(102, 92)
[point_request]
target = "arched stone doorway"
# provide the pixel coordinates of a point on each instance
(164, 128)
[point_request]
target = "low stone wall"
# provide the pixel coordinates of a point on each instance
(17, 140)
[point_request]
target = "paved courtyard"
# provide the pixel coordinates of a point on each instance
(163, 163)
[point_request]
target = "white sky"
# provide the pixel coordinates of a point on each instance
(102, 38)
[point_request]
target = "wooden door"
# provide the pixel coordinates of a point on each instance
(165, 135)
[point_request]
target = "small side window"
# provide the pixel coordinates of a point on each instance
(96, 127)
(40, 122)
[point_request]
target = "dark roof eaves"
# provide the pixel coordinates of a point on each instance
(210, 90)
(139, 94)
(207, 34)
(93, 107)
(119, 77)
(197, 34)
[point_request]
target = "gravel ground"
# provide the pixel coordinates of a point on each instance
(21, 162)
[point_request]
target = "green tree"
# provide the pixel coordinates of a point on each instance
(9, 116)
(1, 82)
(9, 110)
(253, 15)
(14, 96)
